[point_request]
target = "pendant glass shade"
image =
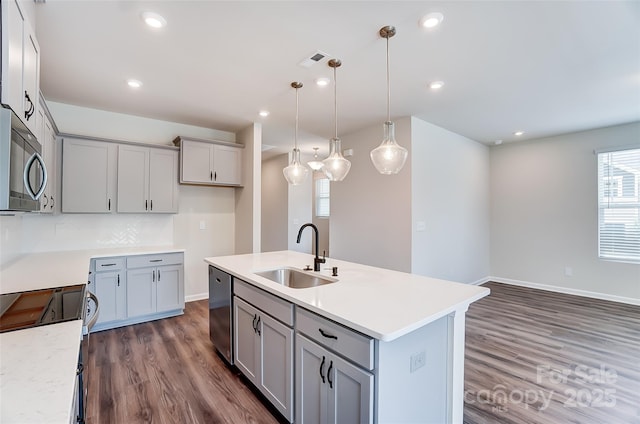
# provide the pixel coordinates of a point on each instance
(336, 167)
(315, 164)
(296, 172)
(389, 157)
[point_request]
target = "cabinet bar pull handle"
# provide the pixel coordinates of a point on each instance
(153, 276)
(53, 202)
(258, 326)
(329, 375)
(118, 280)
(151, 204)
(109, 204)
(211, 175)
(327, 335)
(321, 367)
(158, 275)
(146, 205)
(108, 264)
(254, 322)
(215, 175)
(155, 260)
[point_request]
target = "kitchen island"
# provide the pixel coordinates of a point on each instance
(416, 325)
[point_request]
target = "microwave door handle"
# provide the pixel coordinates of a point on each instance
(27, 170)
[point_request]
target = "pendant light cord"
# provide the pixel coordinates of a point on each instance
(296, 137)
(335, 101)
(388, 85)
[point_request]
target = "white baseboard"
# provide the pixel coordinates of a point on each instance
(565, 290)
(194, 297)
(480, 281)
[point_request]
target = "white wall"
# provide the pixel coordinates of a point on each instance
(118, 126)
(248, 198)
(544, 214)
(321, 223)
(27, 233)
(370, 212)
(275, 195)
(450, 204)
(299, 204)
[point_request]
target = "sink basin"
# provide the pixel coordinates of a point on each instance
(295, 278)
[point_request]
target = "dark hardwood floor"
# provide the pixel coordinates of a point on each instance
(531, 357)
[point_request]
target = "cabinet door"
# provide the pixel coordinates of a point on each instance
(31, 75)
(350, 395)
(141, 293)
(110, 290)
(133, 179)
(12, 93)
(226, 168)
(163, 181)
(276, 364)
(311, 370)
(50, 155)
(197, 162)
(246, 339)
(88, 176)
(169, 293)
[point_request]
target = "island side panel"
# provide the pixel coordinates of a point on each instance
(412, 376)
(456, 365)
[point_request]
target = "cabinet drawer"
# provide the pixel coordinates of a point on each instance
(109, 264)
(278, 308)
(160, 259)
(348, 343)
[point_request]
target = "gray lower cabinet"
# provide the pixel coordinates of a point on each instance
(330, 389)
(138, 288)
(263, 352)
(109, 285)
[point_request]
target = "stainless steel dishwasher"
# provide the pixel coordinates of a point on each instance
(221, 312)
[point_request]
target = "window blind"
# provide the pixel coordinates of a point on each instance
(322, 198)
(619, 205)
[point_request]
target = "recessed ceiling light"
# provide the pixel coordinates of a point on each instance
(435, 85)
(264, 113)
(322, 82)
(133, 83)
(153, 20)
(518, 133)
(431, 20)
(497, 142)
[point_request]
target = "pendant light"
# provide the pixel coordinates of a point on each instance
(315, 164)
(389, 157)
(296, 172)
(336, 167)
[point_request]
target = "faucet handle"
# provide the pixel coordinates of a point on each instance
(307, 268)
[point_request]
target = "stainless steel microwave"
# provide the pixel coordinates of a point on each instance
(23, 175)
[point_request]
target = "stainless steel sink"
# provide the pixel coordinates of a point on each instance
(295, 278)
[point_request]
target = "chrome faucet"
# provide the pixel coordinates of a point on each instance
(316, 261)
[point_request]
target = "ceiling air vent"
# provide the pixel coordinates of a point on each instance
(314, 58)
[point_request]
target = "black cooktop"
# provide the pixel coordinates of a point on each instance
(41, 307)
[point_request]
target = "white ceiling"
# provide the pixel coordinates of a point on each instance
(541, 67)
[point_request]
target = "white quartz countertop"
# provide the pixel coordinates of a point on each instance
(35, 271)
(378, 302)
(38, 373)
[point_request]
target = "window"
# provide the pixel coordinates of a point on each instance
(322, 198)
(619, 205)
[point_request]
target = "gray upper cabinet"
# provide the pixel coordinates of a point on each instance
(88, 176)
(209, 163)
(21, 55)
(147, 180)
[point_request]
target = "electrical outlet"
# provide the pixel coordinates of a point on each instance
(203, 225)
(418, 360)
(568, 271)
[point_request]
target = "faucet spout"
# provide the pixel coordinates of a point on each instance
(316, 261)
